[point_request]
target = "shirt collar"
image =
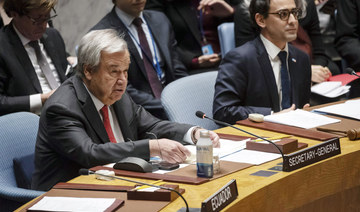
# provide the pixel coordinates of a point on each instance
(23, 39)
(98, 104)
(126, 18)
(271, 48)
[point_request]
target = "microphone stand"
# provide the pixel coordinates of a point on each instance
(203, 115)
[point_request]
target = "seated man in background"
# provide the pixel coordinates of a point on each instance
(154, 59)
(265, 74)
(32, 57)
(91, 120)
(195, 24)
(347, 41)
(309, 39)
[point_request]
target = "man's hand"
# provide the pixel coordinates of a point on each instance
(213, 136)
(287, 109)
(215, 139)
(169, 150)
(45, 96)
(218, 8)
(208, 60)
(319, 73)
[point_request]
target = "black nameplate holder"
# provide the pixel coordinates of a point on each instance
(311, 155)
(221, 198)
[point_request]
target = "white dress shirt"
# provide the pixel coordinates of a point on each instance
(35, 99)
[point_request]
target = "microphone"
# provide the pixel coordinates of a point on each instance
(84, 171)
(351, 71)
(202, 115)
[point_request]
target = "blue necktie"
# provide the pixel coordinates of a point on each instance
(285, 82)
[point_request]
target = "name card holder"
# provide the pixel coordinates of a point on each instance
(312, 155)
(157, 195)
(221, 198)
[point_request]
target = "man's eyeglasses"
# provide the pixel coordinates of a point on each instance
(40, 21)
(285, 13)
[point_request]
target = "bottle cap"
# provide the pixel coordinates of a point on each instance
(204, 134)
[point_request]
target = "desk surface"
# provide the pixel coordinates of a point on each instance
(329, 185)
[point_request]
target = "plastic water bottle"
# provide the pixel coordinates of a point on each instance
(204, 155)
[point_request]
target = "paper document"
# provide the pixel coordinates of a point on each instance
(330, 89)
(348, 109)
(226, 147)
(72, 204)
(251, 156)
(300, 118)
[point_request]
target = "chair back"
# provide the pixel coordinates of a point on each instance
(226, 37)
(183, 97)
(17, 138)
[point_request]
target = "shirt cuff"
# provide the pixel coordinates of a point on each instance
(35, 103)
(187, 136)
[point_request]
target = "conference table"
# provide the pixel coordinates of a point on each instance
(329, 185)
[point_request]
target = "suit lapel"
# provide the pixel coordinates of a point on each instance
(89, 110)
(268, 72)
(51, 51)
(23, 58)
(117, 24)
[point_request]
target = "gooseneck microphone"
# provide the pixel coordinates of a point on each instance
(84, 171)
(202, 115)
(351, 71)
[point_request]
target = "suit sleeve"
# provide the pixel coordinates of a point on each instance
(311, 25)
(230, 91)
(10, 104)
(67, 136)
(347, 32)
(178, 66)
(244, 30)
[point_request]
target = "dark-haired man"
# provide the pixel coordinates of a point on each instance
(32, 57)
(265, 74)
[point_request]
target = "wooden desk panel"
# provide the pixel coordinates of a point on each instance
(330, 185)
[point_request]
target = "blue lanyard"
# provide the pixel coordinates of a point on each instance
(202, 27)
(157, 65)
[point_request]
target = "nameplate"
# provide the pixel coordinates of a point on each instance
(311, 155)
(221, 198)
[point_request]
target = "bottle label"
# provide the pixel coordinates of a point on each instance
(204, 170)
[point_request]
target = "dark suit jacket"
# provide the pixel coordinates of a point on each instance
(348, 32)
(18, 79)
(138, 85)
(245, 31)
(185, 23)
(246, 82)
(72, 136)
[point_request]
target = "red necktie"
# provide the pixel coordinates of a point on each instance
(105, 114)
(154, 81)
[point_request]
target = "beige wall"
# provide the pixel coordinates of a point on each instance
(76, 17)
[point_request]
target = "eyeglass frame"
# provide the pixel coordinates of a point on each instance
(292, 11)
(43, 20)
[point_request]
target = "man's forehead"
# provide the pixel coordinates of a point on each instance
(282, 4)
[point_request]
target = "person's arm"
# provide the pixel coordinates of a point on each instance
(66, 134)
(178, 66)
(311, 26)
(347, 40)
(10, 104)
(244, 30)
